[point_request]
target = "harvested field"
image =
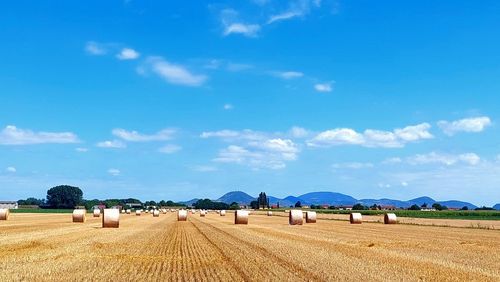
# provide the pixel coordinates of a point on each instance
(51, 247)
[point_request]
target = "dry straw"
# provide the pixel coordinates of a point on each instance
(241, 217)
(4, 214)
(138, 212)
(390, 218)
(111, 218)
(182, 215)
(128, 211)
(202, 213)
(355, 218)
(79, 215)
(295, 217)
(156, 213)
(222, 213)
(311, 217)
(97, 212)
(269, 213)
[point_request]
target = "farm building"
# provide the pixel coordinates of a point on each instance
(8, 205)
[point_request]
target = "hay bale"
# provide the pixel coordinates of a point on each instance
(4, 214)
(222, 213)
(128, 211)
(79, 215)
(182, 215)
(111, 218)
(311, 217)
(355, 218)
(147, 211)
(241, 217)
(156, 213)
(295, 217)
(203, 213)
(269, 213)
(390, 218)
(97, 212)
(138, 212)
(123, 211)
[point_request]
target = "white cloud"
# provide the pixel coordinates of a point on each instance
(128, 54)
(233, 25)
(284, 16)
(11, 169)
(288, 74)
(82, 150)
(404, 184)
(353, 165)
(249, 30)
(12, 135)
(477, 124)
(394, 160)
(95, 48)
(235, 67)
(172, 73)
(299, 132)
(271, 154)
(114, 171)
(134, 136)
(445, 159)
(231, 135)
(372, 138)
(170, 149)
(228, 107)
(323, 87)
(297, 8)
(116, 144)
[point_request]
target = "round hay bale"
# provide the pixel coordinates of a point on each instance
(355, 218)
(311, 217)
(111, 218)
(147, 211)
(128, 211)
(97, 212)
(79, 215)
(4, 214)
(203, 213)
(182, 215)
(295, 217)
(138, 212)
(241, 217)
(222, 213)
(156, 213)
(269, 213)
(390, 218)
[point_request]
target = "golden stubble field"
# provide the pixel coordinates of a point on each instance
(50, 247)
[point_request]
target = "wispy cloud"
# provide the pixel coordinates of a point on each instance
(288, 74)
(477, 124)
(445, 159)
(204, 168)
(233, 25)
(82, 150)
(170, 149)
(372, 138)
(11, 135)
(115, 144)
(353, 165)
(296, 8)
(173, 73)
(95, 48)
(299, 132)
(11, 169)
(134, 136)
(228, 107)
(128, 54)
(324, 87)
(114, 172)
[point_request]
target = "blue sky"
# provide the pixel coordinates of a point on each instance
(164, 100)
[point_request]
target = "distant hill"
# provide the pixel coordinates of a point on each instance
(236, 196)
(336, 199)
(497, 207)
(190, 202)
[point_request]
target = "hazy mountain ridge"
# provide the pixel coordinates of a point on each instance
(337, 199)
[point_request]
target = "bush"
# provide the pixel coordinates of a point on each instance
(64, 197)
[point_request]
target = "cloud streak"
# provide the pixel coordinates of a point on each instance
(11, 135)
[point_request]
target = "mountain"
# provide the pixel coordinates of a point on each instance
(291, 201)
(384, 202)
(457, 204)
(326, 198)
(497, 207)
(236, 196)
(422, 200)
(190, 202)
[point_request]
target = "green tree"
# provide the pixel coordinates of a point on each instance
(465, 208)
(298, 204)
(31, 202)
(234, 206)
(263, 201)
(64, 197)
(254, 204)
(414, 208)
(359, 207)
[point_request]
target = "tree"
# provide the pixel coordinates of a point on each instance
(234, 206)
(465, 208)
(207, 204)
(263, 201)
(359, 207)
(424, 205)
(414, 208)
(254, 204)
(31, 202)
(64, 197)
(298, 204)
